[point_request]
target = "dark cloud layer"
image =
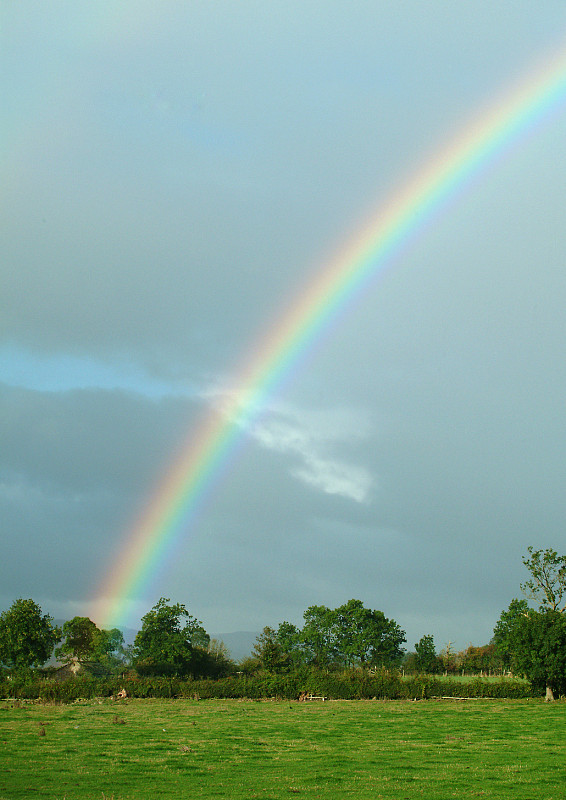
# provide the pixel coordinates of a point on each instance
(175, 175)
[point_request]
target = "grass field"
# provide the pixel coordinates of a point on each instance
(148, 749)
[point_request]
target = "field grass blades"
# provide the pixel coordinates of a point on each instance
(149, 749)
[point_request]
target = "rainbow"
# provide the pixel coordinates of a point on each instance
(210, 449)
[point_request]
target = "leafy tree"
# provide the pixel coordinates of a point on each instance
(162, 646)
(448, 659)
(364, 636)
(538, 641)
(218, 662)
(211, 662)
(289, 637)
(479, 659)
(547, 584)
(109, 644)
(351, 634)
(80, 637)
(503, 631)
(269, 651)
(86, 642)
(109, 649)
(319, 636)
(27, 636)
(425, 659)
(249, 665)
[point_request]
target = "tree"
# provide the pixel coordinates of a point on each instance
(319, 636)
(289, 637)
(218, 662)
(503, 631)
(479, 659)
(109, 649)
(162, 646)
(425, 659)
(109, 644)
(351, 634)
(84, 641)
(366, 637)
(80, 637)
(269, 652)
(538, 642)
(448, 659)
(547, 584)
(27, 636)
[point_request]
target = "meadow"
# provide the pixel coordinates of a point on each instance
(148, 749)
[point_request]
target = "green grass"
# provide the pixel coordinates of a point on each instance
(242, 750)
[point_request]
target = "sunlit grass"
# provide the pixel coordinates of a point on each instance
(146, 749)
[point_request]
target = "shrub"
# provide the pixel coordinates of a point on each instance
(346, 685)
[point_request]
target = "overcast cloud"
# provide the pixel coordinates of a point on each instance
(173, 174)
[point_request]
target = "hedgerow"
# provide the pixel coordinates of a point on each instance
(348, 685)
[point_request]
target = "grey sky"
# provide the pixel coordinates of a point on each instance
(174, 173)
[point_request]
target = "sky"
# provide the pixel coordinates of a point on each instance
(173, 174)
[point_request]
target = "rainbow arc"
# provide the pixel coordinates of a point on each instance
(183, 492)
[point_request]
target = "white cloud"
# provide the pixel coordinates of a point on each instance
(307, 436)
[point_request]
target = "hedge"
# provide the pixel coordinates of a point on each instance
(353, 685)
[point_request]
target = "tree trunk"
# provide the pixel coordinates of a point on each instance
(549, 694)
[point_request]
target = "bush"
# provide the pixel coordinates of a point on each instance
(347, 685)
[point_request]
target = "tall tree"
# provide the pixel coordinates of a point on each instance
(109, 649)
(83, 640)
(538, 639)
(351, 634)
(269, 651)
(163, 645)
(80, 636)
(425, 659)
(539, 650)
(547, 584)
(289, 637)
(504, 627)
(364, 636)
(319, 636)
(27, 636)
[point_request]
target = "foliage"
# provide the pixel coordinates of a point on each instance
(547, 584)
(448, 659)
(27, 636)
(480, 659)
(80, 637)
(364, 636)
(163, 647)
(534, 642)
(503, 631)
(109, 644)
(218, 661)
(270, 653)
(538, 642)
(289, 639)
(348, 684)
(249, 665)
(318, 636)
(426, 659)
(83, 640)
(345, 636)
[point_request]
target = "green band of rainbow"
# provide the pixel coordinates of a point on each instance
(191, 479)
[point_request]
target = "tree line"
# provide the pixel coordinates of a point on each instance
(528, 641)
